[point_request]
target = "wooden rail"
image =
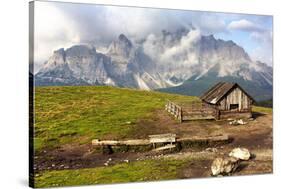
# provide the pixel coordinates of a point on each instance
(174, 109)
(198, 111)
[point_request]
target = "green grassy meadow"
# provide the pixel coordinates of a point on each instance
(77, 114)
(138, 171)
(260, 109)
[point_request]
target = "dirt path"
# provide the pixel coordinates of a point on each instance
(256, 135)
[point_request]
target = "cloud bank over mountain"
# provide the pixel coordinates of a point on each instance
(65, 24)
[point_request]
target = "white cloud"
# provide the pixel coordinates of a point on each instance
(52, 31)
(64, 24)
(167, 52)
(183, 49)
(259, 36)
(263, 52)
(244, 25)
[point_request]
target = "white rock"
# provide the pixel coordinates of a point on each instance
(237, 122)
(211, 150)
(240, 153)
(241, 122)
(222, 166)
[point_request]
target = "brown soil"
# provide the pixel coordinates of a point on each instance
(256, 135)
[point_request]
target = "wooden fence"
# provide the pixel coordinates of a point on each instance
(174, 109)
(193, 111)
(197, 111)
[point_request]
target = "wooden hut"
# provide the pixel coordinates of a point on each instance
(229, 101)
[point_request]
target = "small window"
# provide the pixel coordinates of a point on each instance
(234, 106)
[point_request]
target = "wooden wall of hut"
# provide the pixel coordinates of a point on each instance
(236, 96)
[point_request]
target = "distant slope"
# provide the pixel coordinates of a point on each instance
(266, 103)
(258, 90)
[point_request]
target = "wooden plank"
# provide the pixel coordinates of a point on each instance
(97, 142)
(162, 138)
(191, 118)
(222, 137)
(199, 113)
(166, 147)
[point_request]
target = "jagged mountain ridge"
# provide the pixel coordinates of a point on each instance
(168, 60)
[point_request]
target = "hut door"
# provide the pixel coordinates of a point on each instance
(234, 106)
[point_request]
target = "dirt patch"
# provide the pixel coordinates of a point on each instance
(256, 135)
(196, 169)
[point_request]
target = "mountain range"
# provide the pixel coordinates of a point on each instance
(183, 62)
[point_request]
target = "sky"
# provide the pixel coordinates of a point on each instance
(61, 25)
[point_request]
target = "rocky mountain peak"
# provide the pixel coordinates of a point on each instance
(59, 51)
(80, 50)
(121, 47)
(123, 39)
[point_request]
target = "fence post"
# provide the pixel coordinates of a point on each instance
(168, 107)
(180, 116)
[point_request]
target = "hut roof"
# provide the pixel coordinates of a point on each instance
(218, 91)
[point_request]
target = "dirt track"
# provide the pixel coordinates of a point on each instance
(256, 135)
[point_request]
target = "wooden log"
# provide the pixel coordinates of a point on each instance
(136, 142)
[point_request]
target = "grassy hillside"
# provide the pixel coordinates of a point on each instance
(77, 114)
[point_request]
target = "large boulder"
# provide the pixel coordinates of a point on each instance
(224, 166)
(240, 153)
